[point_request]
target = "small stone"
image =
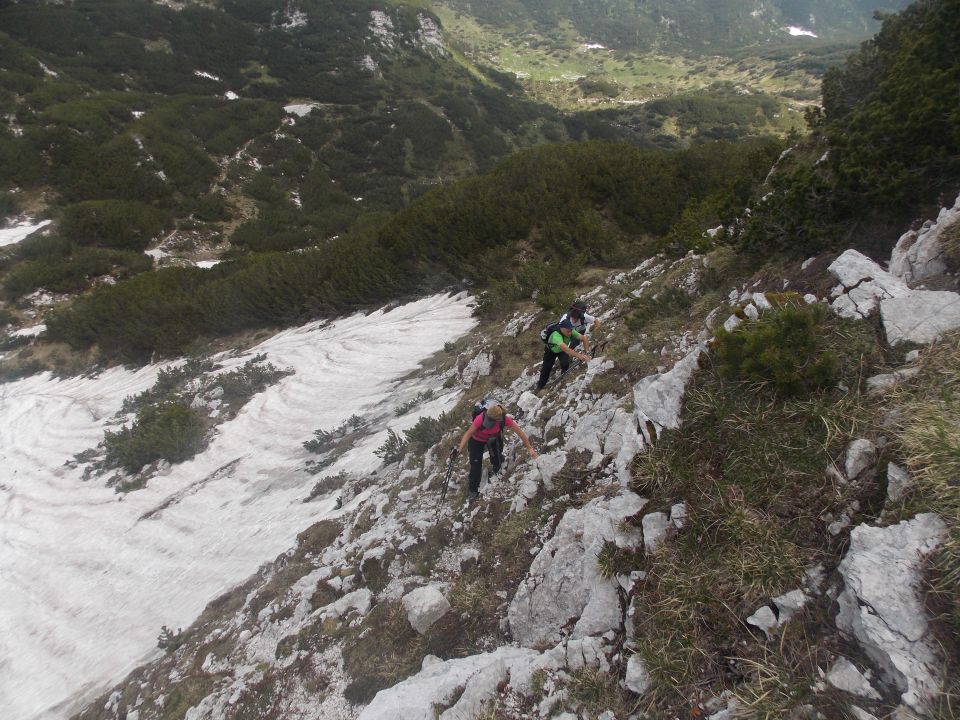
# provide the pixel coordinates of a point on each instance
(654, 530)
(861, 714)
(765, 620)
(424, 607)
(678, 515)
(811, 299)
(468, 557)
(912, 356)
(861, 455)
(898, 482)
(751, 312)
(637, 678)
(760, 300)
(845, 676)
(429, 660)
(732, 323)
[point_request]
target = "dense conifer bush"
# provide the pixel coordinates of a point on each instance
(884, 147)
(781, 350)
(112, 223)
(169, 431)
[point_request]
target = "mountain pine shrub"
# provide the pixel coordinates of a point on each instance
(169, 431)
(781, 350)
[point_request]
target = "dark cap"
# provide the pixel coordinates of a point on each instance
(580, 306)
(565, 323)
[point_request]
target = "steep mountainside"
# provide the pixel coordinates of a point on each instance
(730, 516)
(695, 26)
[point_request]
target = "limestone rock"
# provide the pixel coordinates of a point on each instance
(881, 606)
(732, 323)
(880, 384)
(476, 368)
(863, 284)
(898, 482)
(861, 714)
(565, 585)
(424, 607)
(919, 255)
(610, 432)
(845, 676)
(637, 678)
(920, 317)
(655, 526)
(678, 515)
(658, 398)
(861, 456)
(437, 685)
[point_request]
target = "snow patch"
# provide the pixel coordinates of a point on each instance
(86, 574)
(20, 231)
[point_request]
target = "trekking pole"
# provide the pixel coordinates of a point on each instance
(446, 483)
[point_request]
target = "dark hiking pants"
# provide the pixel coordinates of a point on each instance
(476, 448)
(549, 357)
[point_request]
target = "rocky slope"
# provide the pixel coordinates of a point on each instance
(536, 601)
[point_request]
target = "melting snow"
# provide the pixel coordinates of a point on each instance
(301, 110)
(13, 235)
(29, 331)
(88, 576)
(800, 32)
(208, 76)
(207, 263)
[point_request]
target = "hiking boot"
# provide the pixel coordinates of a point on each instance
(473, 496)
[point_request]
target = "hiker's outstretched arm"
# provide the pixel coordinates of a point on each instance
(526, 441)
(463, 440)
(573, 353)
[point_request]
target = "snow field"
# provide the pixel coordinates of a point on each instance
(88, 576)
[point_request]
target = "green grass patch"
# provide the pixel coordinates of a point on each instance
(751, 466)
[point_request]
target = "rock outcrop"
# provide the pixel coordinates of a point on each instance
(565, 587)
(881, 606)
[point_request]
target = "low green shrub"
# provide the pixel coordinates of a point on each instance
(393, 449)
(780, 350)
(9, 204)
(72, 272)
(426, 433)
(243, 383)
(112, 223)
(168, 431)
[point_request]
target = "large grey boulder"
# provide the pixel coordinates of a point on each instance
(863, 284)
(565, 585)
(468, 680)
(881, 606)
(918, 255)
(920, 317)
(658, 399)
(610, 432)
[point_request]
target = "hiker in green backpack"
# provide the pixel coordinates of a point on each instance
(558, 348)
